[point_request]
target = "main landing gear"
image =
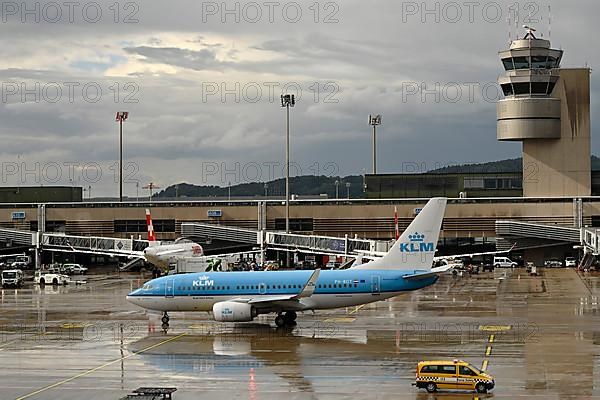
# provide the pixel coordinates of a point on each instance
(287, 319)
(165, 322)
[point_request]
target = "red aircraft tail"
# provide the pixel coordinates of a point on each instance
(151, 234)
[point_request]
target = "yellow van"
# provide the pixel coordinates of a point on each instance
(455, 375)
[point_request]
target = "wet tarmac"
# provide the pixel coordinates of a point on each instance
(538, 336)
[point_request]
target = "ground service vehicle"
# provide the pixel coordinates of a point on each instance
(453, 375)
(12, 278)
(570, 262)
(48, 278)
(504, 262)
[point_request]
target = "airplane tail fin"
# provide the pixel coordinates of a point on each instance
(151, 234)
(416, 246)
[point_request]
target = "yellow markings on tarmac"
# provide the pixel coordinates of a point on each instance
(90, 371)
(494, 328)
(357, 309)
(484, 366)
(340, 319)
(200, 326)
(74, 326)
(488, 349)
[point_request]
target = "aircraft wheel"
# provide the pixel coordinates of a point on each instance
(280, 320)
(165, 319)
(290, 316)
(55, 282)
(165, 327)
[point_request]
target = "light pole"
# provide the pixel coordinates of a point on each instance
(375, 120)
(229, 191)
(121, 117)
(266, 186)
(287, 101)
(337, 189)
(347, 190)
(151, 186)
(137, 191)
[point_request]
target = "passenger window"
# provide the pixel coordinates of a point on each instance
(448, 369)
(466, 371)
(330, 286)
(429, 369)
(278, 286)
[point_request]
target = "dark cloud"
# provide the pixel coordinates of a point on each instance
(366, 62)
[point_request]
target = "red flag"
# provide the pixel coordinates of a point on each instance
(396, 223)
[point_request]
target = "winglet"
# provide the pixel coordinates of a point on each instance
(310, 286)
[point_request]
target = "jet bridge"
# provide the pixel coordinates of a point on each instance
(524, 235)
(285, 241)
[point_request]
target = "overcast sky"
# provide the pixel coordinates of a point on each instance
(202, 80)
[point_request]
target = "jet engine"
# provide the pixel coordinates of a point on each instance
(230, 311)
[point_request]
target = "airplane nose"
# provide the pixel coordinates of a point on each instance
(133, 299)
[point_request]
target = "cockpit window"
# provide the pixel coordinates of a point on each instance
(147, 286)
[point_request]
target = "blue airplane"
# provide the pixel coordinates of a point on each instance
(242, 296)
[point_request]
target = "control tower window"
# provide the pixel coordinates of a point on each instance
(507, 89)
(552, 62)
(521, 62)
(539, 62)
(508, 64)
(539, 88)
(521, 88)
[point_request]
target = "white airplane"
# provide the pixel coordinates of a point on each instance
(162, 255)
(241, 296)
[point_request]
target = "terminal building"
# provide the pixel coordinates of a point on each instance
(540, 208)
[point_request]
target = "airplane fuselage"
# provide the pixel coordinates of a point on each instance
(333, 289)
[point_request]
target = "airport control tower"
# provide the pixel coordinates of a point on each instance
(548, 109)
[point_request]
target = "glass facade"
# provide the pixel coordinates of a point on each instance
(139, 226)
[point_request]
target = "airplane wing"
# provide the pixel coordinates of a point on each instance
(167, 252)
(294, 299)
(428, 274)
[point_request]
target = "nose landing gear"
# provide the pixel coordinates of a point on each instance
(165, 322)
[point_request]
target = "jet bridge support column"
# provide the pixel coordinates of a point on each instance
(41, 220)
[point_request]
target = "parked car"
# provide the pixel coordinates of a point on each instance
(19, 265)
(74, 269)
(553, 263)
(504, 262)
(570, 262)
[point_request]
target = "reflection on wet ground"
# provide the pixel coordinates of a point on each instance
(536, 335)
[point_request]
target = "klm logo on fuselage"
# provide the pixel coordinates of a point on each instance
(203, 281)
(416, 244)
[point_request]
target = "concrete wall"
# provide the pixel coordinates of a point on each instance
(562, 167)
